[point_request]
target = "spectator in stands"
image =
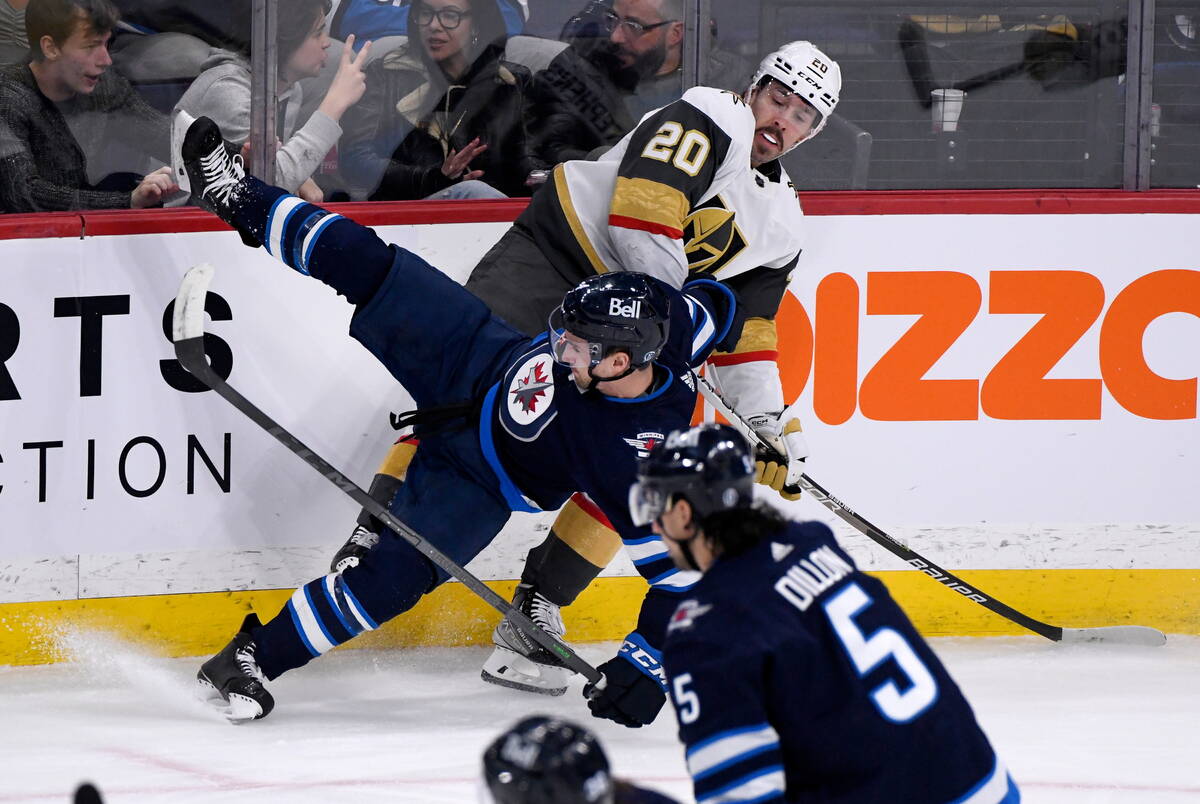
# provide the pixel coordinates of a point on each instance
(577, 103)
(461, 103)
(13, 43)
(648, 38)
(65, 104)
(222, 92)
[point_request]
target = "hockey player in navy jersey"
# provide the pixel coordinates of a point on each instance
(796, 677)
(543, 760)
(509, 423)
(697, 189)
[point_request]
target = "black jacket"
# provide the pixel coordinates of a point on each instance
(488, 102)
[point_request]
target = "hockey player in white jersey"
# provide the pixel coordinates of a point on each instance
(695, 190)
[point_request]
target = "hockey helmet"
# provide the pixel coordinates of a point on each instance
(617, 310)
(711, 465)
(804, 69)
(543, 760)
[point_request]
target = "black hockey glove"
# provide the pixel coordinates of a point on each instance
(630, 696)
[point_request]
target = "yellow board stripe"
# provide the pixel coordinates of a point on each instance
(650, 201)
(568, 208)
(200, 624)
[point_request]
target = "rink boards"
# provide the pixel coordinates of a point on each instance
(1012, 394)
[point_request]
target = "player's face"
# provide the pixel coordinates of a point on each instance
(309, 58)
(781, 119)
(78, 64)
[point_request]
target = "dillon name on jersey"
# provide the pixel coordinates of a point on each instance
(797, 678)
(545, 439)
(683, 173)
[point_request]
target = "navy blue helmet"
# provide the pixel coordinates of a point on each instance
(711, 465)
(617, 310)
(544, 760)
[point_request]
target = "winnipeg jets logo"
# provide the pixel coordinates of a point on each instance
(644, 442)
(527, 391)
(531, 389)
(686, 614)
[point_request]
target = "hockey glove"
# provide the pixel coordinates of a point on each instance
(631, 695)
(782, 465)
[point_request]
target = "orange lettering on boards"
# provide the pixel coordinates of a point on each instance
(1017, 387)
(1123, 364)
(893, 389)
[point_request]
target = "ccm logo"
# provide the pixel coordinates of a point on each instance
(1070, 308)
(632, 310)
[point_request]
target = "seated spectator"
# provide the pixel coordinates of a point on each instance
(463, 102)
(66, 104)
(222, 92)
(577, 103)
(13, 43)
(372, 19)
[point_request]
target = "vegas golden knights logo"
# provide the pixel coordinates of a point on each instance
(711, 237)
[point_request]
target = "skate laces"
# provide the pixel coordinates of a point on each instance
(222, 172)
(546, 615)
(247, 664)
(364, 538)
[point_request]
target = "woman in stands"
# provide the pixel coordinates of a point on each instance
(451, 101)
(222, 92)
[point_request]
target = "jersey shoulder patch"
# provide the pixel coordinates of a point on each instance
(528, 405)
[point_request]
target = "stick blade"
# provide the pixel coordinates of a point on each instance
(188, 321)
(1116, 635)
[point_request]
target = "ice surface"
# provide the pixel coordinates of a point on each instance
(1075, 724)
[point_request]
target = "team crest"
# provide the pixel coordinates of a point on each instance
(531, 389)
(711, 237)
(686, 614)
(644, 442)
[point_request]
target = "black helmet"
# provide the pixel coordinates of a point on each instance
(543, 760)
(621, 309)
(710, 464)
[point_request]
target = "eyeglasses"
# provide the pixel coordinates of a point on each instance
(633, 28)
(448, 18)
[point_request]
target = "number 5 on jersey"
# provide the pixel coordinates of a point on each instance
(685, 150)
(868, 652)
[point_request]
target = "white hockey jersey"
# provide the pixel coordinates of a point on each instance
(677, 198)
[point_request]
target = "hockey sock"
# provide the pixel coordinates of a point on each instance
(318, 617)
(343, 254)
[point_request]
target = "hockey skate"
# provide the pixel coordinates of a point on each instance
(205, 164)
(354, 550)
(519, 662)
(232, 682)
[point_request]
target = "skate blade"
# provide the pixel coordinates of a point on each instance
(237, 709)
(179, 127)
(507, 668)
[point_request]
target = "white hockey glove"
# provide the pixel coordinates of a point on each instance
(787, 440)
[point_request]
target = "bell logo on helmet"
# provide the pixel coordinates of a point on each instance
(618, 308)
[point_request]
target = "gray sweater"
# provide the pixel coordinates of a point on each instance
(222, 92)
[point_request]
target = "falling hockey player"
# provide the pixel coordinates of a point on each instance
(509, 423)
(796, 677)
(695, 190)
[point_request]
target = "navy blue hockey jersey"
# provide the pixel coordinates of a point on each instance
(797, 678)
(546, 439)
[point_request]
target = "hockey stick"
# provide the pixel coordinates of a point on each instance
(188, 335)
(1125, 634)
